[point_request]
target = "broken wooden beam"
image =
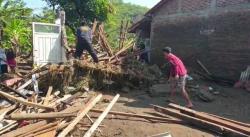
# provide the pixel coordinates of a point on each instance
(82, 113)
(24, 102)
(200, 122)
(101, 117)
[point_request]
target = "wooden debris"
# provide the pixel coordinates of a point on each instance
(101, 117)
(47, 98)
(199, 122)
(199, 115)
(82, 113)
(30, 116)
(139, 116)
(15, 99)
(25, 129)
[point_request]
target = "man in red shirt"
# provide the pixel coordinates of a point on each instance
(178, 75)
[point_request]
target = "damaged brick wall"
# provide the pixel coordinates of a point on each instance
(219, 38)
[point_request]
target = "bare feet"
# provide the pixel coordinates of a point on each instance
(190, 105)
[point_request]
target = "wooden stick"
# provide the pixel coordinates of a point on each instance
(203, 67)
(13, 90)
(138, 116)
(83, 112)
(12, 125)
(47, 98)
(101, 117)
(199, 122)
(24, 129)
(24, 85)
(212, 119)
(94, 27)
(12, 98)
(30, 116)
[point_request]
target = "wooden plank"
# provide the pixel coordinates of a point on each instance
(34, 116)
(12, 98)
(138, 116)
(51, 133)
(245, 130)
(101, 117)
(82, 113)
(47, 98)
(199, 122)
(24, 85)
(11, 126)
(230, 120)
(24, 129)
(39, 129)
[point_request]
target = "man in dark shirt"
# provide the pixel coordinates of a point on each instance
(84, 42)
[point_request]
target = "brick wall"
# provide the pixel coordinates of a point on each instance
(219, 39)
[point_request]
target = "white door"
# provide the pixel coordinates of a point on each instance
(47, 44)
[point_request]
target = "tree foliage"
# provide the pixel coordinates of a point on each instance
(14, 20)
(79, 10)
(122, 12)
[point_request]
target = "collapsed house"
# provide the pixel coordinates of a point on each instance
(214, 31)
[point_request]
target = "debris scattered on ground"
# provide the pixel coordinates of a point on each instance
(207, 121)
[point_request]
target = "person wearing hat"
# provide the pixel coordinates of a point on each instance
(178, 75)
(84, 42)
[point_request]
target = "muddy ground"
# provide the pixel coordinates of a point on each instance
(230, 103)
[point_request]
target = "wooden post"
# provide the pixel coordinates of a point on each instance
(12, 98)
(83, 112)
(120, 37)
(101, 117)
(64, 33)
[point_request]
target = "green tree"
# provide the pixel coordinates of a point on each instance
(77, 10)
(18, 35)
(14, 19)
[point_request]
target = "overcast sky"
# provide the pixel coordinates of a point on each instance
(38, 4)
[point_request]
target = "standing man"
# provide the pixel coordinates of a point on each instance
(84, 42)
(178, 75)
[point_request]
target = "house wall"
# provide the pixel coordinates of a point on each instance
(217, 32)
